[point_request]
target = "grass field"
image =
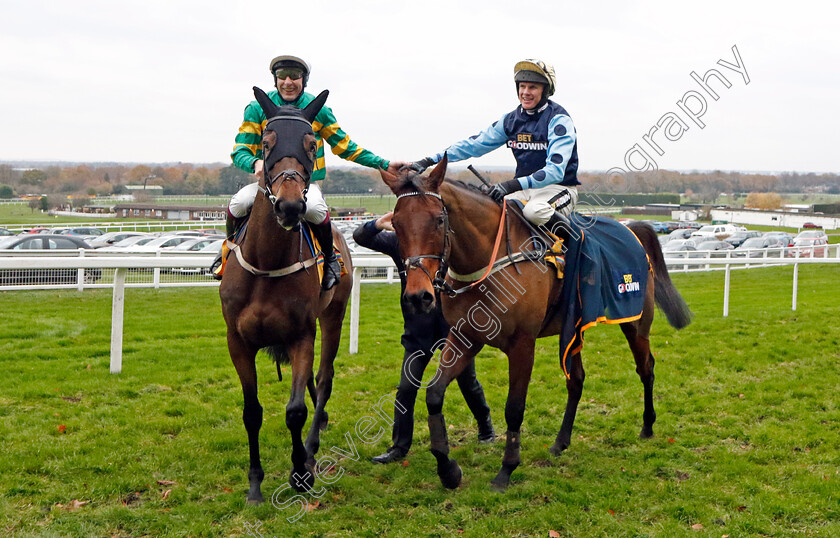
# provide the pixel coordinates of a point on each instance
(747, 440)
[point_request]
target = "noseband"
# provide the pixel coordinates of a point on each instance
(438, 281)
(284, 176)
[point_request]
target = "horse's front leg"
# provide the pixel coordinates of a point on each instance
(330, 323)
(520, 364)
(452, 363)
(574, 389)
(301, 355)
(243, 356)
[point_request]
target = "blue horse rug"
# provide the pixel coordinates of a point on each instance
(605, 281)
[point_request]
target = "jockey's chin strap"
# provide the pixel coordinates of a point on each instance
(415, 262)
(283, 175)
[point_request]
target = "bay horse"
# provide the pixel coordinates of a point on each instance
(271, 294)
(445, 229)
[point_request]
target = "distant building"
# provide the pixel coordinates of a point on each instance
(169, 212)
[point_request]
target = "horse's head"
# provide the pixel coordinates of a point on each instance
(422, 227)
(289, 147)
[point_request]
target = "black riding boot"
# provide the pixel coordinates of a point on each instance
(332, 269)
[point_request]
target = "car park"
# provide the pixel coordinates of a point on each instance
(690, 224)
(39, 243)
(759, 247)
(740, 236)
(5, 233)
(808, 247)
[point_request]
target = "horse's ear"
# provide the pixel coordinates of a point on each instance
(268, 106)
(315, 106)
(438, 174)
(392, 180)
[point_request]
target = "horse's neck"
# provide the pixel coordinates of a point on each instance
(267, 246)
(474, 222)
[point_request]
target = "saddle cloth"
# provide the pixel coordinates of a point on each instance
(606, 278)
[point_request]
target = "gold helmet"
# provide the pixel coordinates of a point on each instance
(536, 71)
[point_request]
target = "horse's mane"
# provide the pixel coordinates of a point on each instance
(464, 185)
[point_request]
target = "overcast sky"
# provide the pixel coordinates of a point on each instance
(162, 81)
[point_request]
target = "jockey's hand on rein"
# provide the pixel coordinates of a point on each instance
(498, 191)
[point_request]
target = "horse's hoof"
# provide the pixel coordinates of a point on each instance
(254, 497)
(302, 481)
(646, 433)
(255, 502)
(500, 483)
(450, 475)
(558, 448)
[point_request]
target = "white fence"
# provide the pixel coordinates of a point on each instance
(86, 269)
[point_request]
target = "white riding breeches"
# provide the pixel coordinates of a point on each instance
(316, 208)
(543, 202)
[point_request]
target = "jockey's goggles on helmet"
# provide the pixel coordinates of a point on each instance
(293, 73)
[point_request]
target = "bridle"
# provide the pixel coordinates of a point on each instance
(438, 281)
(286, 175)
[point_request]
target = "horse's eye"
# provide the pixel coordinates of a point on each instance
(440, 222)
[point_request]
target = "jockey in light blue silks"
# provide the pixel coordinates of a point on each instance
(543, 139)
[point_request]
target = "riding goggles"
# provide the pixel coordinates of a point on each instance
(290, 72)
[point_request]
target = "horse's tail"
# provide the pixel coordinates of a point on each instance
(665, 293)
(278, 354)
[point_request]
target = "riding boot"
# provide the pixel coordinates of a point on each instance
(559, 225)
(332, 269)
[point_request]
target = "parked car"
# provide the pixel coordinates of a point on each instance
(784, 238)
(716, 231)
(35, 230)
(690, 224)
(753, 247)
(718, 248)
(811, 225)
(808, 247)
(739, 237)
(682, 233)
(5, 233)
(657, 225)
(128, 242)
(111, 238)
(671, 225)
(155, 244)
(40, 242)
(83, 232)
(811, 234)
(675, 244)
(202, 245)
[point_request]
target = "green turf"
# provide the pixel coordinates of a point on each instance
(747, 437)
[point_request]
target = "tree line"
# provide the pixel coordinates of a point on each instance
(87, 180)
